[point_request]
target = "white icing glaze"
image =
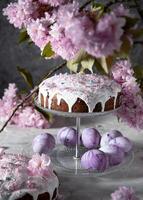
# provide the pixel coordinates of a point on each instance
(13, 186)
(91, 88)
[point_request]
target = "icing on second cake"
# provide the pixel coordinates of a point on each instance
(18, 178)
(91, 88)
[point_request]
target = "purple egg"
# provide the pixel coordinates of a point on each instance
(122, 142)
(90, 138)
(67, 136)
(43, 143)
(116, 154)
(109, 136)
(95, 160)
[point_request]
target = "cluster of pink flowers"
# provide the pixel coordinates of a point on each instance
(26, 116)
(40, 165)
(39, 32)
(124, 193)
(131, 110)
(96, 38)
(21, 13)
(73, 29)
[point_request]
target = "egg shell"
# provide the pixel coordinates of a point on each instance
(95, 160)
(43, 143)
(105, 139)
(90, 138)
(122, 142)
(67, 136)
(115, 153)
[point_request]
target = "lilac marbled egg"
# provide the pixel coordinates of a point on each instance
(43, 143)
(95, 160)
(116, 154)
(109, 136)
(90, 138)
(122, 142)
(67, 136)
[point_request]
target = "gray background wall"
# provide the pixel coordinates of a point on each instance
(12, 55)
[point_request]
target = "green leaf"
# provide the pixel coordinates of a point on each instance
(26, 75)
(138, 72)
(107, 63)
(125, 48)
(23, 36)
(47, 51)
(81, 55)
(136, 33)
(130, 22)
(97, 5)
(88, 64)
(72, 66)
(99, 66)
(98, 8)
(110, 60)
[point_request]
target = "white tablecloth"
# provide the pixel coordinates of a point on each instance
(83, 188)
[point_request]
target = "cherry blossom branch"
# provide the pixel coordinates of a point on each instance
(31, 94)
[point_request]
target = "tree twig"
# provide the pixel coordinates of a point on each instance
(138, 42)
(85, 4)
(30, 95)
(52, 71)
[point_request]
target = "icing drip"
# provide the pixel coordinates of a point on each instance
(91, 88)
(14, 185)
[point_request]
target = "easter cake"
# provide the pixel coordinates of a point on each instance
(25, 179)
(79, 93)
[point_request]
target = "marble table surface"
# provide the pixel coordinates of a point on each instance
(18, 140)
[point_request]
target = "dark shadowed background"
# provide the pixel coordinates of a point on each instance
(13, 54)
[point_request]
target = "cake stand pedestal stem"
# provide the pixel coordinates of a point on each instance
(77, 156)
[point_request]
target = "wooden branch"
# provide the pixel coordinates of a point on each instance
(30, 95)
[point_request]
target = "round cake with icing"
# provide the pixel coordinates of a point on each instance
(25, 179)
(79, 93)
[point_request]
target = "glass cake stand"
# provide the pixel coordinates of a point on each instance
(67, 161)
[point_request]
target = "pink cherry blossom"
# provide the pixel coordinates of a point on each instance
(53, 3)
(97, 38)
(131, 110)
(27, 116)
(124, 193)
(38, 30)
(21, 13)
(61, 42)
(121, 11)
(40, 165)
(122, 70)
(8, 102)
(107, 37)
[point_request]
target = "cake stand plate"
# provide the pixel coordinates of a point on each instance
(66, 165)
(67, 161)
